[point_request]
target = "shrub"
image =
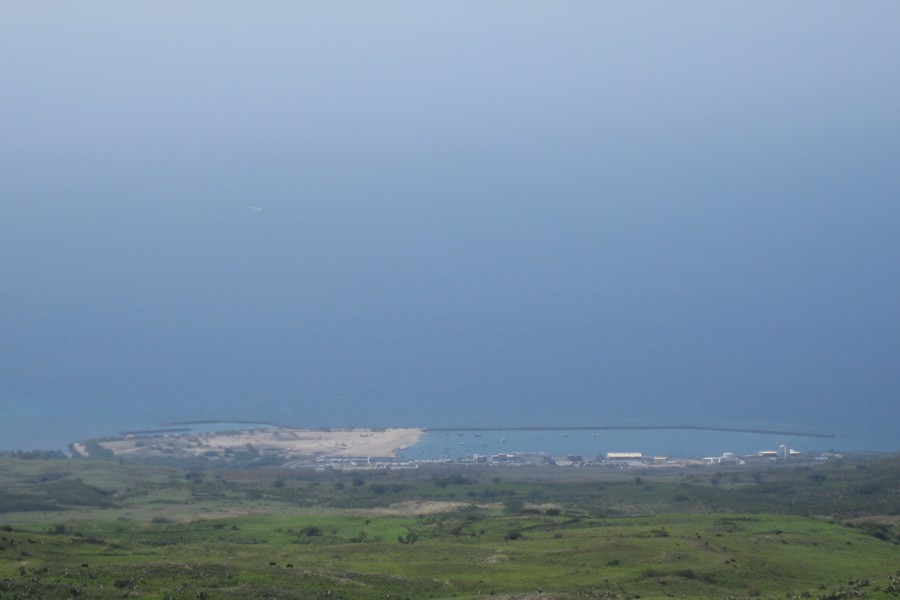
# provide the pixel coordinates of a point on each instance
(58, 529)
(311, 531)
(410, 538)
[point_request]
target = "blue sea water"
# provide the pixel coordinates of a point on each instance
(21, 429)
(27, 426)
(651, 442)
(499, 242)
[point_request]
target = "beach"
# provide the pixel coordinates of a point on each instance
(287, 444)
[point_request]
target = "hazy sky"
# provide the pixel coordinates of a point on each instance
(427, 213)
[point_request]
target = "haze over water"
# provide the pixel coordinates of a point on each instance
(448, 215)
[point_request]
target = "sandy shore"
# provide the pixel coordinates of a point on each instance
(290, 444)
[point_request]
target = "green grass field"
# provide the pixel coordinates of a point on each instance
(96, 529)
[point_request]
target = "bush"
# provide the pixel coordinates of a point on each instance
(311, 531)
(513, 506)
(409, 538)
(58, 529)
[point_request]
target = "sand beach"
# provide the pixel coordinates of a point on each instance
(288, 444)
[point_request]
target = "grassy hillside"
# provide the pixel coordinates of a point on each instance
(95, 529)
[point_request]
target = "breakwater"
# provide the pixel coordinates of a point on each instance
(638, 428)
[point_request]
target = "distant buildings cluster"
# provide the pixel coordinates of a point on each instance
(609, 459)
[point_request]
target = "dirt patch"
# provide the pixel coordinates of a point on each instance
(419, 507)
(498, 556)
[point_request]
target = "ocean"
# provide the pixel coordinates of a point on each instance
(429, 226)
(676, 442)
(27, 427)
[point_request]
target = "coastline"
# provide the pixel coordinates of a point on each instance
(183, 426)
(659, 438)
(286, 444)
(261, 442)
